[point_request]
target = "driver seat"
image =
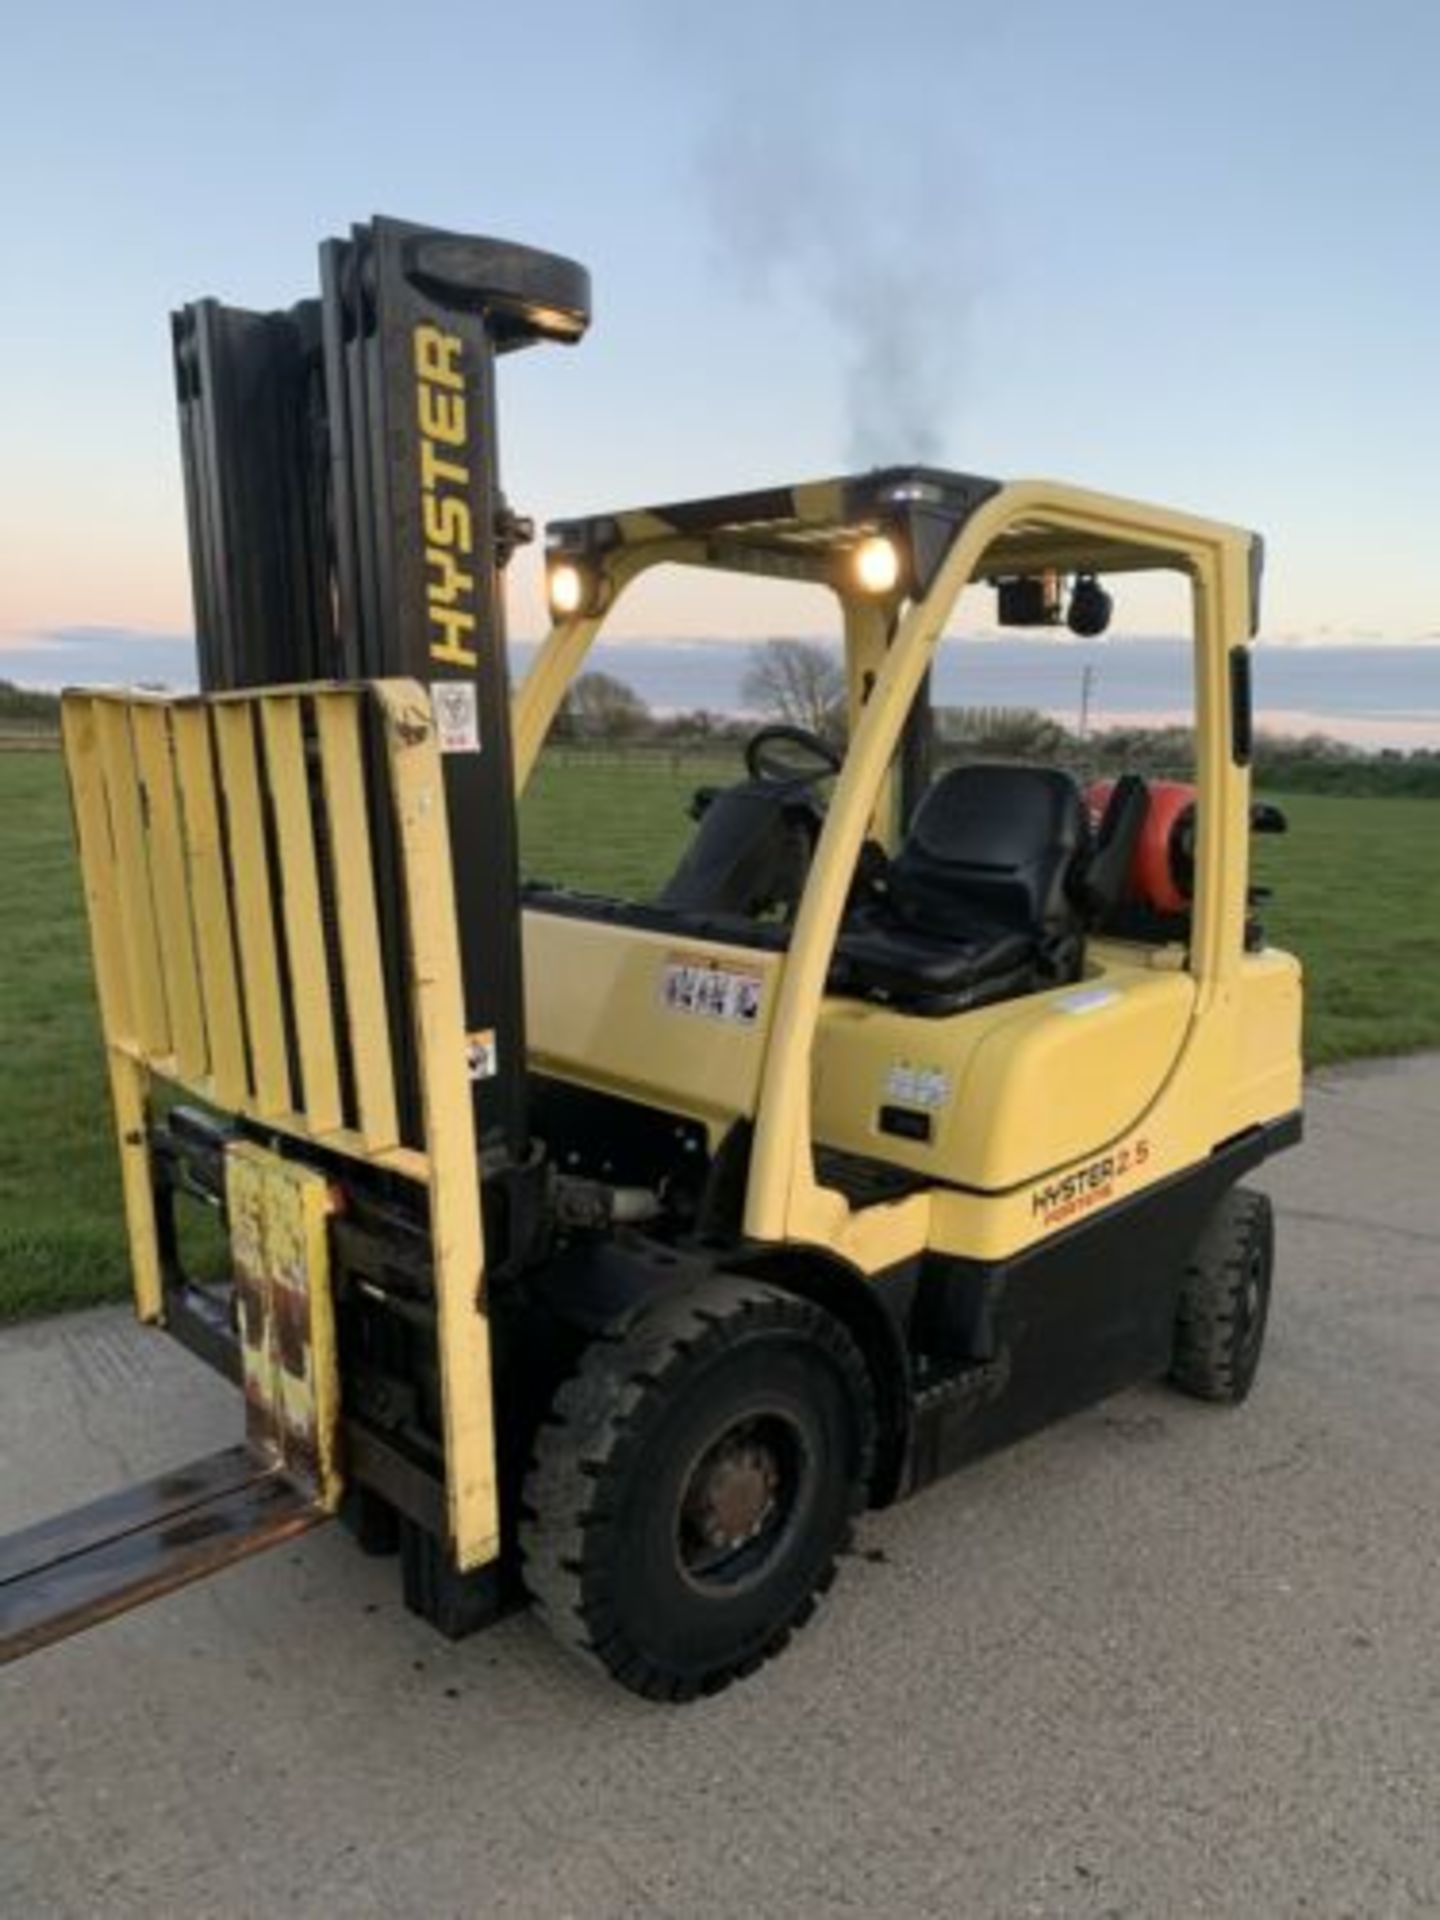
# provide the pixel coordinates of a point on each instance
(979, 902)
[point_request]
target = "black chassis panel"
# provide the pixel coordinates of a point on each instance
(1066, 1323)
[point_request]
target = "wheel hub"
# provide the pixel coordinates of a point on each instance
(733, 1495)
(739, 1503)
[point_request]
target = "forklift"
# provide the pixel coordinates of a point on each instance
(610, 1255)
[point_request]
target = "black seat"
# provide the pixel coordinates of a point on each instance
(752, 852)
(980, 901)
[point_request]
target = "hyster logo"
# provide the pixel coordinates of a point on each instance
(1062, 1200)
(442, 410)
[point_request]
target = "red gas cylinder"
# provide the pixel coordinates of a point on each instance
(1162, 870)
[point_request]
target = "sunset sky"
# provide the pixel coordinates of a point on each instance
(1176, 252)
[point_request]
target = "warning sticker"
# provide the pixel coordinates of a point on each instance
(1088, 999)
(457, 717)
(911, 1086)
(480, 1055)
(695, 984)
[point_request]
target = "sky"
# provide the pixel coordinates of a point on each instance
(1186, 254)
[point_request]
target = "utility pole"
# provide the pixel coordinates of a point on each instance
(1088, 677)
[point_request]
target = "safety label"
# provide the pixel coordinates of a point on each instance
(911, 1086)
(1088, 999)
(480, 1055)
(695, 984)
(457, 717)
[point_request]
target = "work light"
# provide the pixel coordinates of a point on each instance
(877, 564)
(568, 589)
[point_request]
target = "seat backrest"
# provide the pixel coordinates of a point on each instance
(1106, 878)
(751, 852)
(993, 844)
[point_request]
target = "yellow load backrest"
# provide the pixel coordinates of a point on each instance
(236, 927)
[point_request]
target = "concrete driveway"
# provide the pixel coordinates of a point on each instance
(1161, 1660)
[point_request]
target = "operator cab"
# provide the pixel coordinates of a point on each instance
(978, 886)
(927, 938)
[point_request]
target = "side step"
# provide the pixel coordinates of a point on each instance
(71, 1572)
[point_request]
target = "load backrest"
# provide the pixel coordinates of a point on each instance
(230, 849)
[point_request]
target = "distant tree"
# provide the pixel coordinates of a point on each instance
(797, 681)
(700, 725)
(1012, 733)
(1311, 763)
(1164, 753)
(28, 703)
(600, 707)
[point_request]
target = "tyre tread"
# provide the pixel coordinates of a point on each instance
(1206, 1360)
(596, 1422)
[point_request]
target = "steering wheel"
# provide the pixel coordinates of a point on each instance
(789, 755)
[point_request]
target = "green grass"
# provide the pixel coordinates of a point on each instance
(1357, 896)
(61, 1243)
(617, 823)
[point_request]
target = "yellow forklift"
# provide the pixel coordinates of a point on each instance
(614, 1254)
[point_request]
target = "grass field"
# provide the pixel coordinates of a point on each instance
(1357, 896)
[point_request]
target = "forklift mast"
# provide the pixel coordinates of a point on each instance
(346, 522)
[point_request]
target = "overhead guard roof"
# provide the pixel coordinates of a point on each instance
(804, 528)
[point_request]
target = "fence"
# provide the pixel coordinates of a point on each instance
(29, 736)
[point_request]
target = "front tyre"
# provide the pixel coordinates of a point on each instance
(694, 1483)
(1225, 1300)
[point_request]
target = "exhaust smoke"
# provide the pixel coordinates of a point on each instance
(865, 234)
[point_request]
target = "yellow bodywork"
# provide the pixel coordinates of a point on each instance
(1046, 1107)
(596, 1015)
(172, 800)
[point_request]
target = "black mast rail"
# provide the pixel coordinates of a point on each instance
(252, 442)
(346, 521)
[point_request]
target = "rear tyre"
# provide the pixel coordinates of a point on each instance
(1225, 1300)
(694, 1483)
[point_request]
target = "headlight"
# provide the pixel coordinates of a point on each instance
(877, 564)
(568, 589)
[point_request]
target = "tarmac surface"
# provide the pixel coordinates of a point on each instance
(1163, 1659)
